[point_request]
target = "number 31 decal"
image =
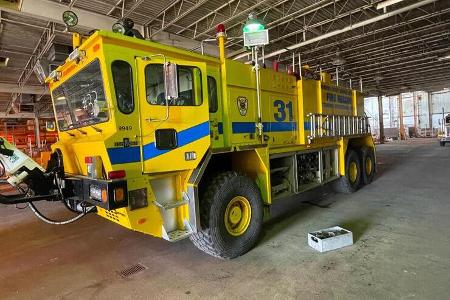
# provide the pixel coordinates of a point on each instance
(280, 116)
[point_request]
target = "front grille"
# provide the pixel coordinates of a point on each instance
(112, 215)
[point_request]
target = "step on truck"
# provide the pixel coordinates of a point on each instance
(176, 144)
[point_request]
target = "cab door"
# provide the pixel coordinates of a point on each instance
(215, 107)
(175, 131)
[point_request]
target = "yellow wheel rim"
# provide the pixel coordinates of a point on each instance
(237, 216)
(353, 171)
(368, 166)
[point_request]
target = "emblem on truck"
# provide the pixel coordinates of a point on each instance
(242, 103)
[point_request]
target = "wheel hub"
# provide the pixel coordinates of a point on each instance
(237, 216)
(368, 166)
(353, 171)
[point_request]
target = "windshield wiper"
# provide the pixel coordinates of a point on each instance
(72, 126)
(96, 128)
(82, 131)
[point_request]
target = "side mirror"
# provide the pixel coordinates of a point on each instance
(171, 80)
(50, 125)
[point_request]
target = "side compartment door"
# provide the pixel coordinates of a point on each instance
(175, 131)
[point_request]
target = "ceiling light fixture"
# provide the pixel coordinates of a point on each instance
(384, 4)
(4, 61)
(445, 56)
(338, 60)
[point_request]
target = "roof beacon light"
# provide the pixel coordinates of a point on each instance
(253, 24)
(220, 28)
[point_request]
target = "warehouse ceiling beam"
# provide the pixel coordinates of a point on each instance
(382, 53)
(52, 11)
(43, 45)
(398, 69)
(19, 116)
(316, 27)
(382, 44)
(302, 13)
(230, 12)
(25, 89)
(347, 28)
(420, 83)
(398, 40)
(178, 11)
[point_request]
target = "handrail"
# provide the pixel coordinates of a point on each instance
(329, 126)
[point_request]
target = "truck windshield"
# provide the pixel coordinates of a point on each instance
(80, 100)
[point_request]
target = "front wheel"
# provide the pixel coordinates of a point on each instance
(442, 144)
(231, 216)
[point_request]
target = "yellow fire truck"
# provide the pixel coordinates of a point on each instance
(176, 144)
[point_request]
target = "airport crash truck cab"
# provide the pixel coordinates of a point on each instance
(176, 144)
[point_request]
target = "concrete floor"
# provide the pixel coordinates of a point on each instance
(402, 247)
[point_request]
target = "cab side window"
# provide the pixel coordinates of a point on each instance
(212, 94)
(189, 86)
(123, 85)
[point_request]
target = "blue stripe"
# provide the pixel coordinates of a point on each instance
(243, 127)
(184, 137)
(307, 125)
(250, 127)
(279, 126)
(220, 127)
(132, 154)
(124, 155)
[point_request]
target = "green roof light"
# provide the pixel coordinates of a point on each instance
(253, 24)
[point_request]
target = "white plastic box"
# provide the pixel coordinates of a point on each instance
(330, 239)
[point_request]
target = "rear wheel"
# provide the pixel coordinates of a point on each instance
(442, 144)
(352, 179)
(367, 165)
(231, 216)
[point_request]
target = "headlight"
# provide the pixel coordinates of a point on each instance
(97, 193)
(77, 55)
(118, 28)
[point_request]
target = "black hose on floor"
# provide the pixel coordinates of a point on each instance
(54, 222)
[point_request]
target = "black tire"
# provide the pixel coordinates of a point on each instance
(215, 239)
(442, 144)
(344, 184)
(368, 167)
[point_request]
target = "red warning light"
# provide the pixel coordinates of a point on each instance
(220, 28)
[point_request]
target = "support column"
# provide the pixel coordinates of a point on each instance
(415, 114)
(380, 118)
(400, 117)
(37, 132)
(430, 112)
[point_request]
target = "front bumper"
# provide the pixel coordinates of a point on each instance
(83, 187)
